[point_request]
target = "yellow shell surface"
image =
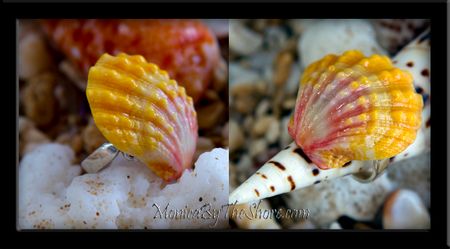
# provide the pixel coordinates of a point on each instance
(352, 107)
(143, 112)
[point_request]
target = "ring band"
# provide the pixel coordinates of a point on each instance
(369, 174)
(100, 158)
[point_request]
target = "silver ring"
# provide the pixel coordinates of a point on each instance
(102, 157)
(369, 174)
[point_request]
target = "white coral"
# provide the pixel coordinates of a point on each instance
(327, 201)
(53, 194)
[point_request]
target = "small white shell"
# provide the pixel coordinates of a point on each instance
(242, 40)
(404, 210)
(336, 36)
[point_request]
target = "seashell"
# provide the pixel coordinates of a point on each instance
(33, 55)
(350, 107)
(404, 209)
(144, 113)
(335, 226)
(243, 41)
(391, 110)
(415, 58)
(393, 34)
(335, 37)
(236, 136)
(186, 49)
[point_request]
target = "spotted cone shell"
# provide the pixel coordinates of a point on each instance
(352, 107)
(144, 113)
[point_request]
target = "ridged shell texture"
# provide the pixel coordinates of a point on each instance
(143, 112)
(351, 107)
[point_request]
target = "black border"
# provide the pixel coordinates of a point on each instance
(222, 1)
(435, 238)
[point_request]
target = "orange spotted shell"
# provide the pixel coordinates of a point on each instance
(144, 113)
(186, 49)
(352, 107)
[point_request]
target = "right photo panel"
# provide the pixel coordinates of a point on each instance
(329, 123)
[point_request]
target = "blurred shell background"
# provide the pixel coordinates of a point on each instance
(267, 58)
(53, 108)
(57, 131)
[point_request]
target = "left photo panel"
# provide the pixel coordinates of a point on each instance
(122, 124)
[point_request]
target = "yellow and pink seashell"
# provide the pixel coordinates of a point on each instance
(352, 113)
(144, 113)
(351, 107)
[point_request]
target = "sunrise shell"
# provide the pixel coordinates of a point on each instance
(144, 113)
(352, 107)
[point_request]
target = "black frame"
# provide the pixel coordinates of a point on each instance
(434, 238)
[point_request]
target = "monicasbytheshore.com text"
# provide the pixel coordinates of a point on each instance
(208, 211)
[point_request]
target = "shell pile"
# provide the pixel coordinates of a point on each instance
(144, 113)
(350, 107)
(265, 162)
